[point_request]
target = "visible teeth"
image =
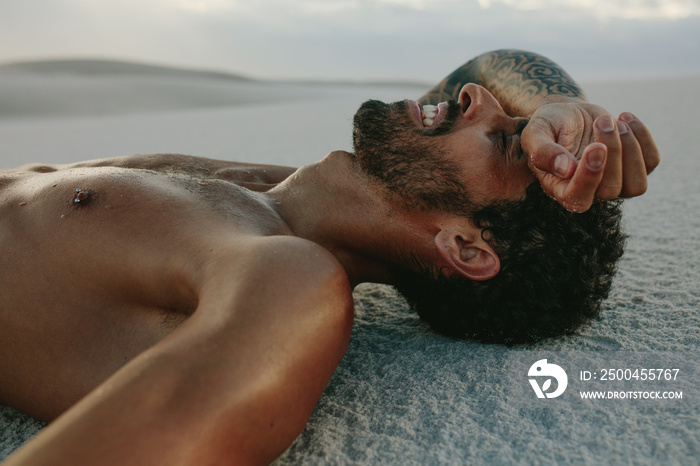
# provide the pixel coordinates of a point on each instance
(429, 113)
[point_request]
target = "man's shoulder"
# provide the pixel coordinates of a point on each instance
(298, 259)
(287, 253)
(284, 265)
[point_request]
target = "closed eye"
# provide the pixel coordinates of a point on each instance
(521, 126)
(505, 143)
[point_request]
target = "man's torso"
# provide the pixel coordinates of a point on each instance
(86, 286)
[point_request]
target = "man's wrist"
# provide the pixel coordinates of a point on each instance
(563, 99)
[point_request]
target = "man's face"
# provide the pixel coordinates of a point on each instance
(469, 156)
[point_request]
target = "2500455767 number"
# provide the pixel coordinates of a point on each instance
(638, 374)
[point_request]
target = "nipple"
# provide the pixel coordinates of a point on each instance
(82, 197)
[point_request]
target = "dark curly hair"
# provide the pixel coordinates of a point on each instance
(556, 268)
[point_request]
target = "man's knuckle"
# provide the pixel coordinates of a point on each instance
(635, 189)
(577, 206)
(606, 193)
(653, 159)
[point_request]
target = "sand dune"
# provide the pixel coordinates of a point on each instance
(54, 114)
(87, 67)
(98, 87)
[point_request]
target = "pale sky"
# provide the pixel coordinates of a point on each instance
(410, 40)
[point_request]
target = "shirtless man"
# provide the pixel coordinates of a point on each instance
(179, 310)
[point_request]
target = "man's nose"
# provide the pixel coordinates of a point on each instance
(477, 102)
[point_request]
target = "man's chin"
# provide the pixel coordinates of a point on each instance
(377, 126)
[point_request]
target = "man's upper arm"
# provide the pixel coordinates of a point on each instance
(521, 81)
(272, 325)
(237, 382)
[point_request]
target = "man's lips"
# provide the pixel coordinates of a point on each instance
(428, 116)
(416, 112)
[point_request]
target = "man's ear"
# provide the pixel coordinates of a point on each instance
(467, 253)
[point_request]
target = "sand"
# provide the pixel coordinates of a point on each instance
(403, 395)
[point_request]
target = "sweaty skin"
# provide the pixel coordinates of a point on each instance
(82, 197)
(164, 269)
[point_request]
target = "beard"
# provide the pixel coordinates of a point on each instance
(408, 161)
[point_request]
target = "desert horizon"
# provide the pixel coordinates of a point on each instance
(61, 111)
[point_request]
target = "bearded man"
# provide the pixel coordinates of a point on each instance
(178, 310)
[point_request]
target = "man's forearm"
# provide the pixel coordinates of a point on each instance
(521, 81)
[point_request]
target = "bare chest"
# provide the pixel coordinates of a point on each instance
(97, 265)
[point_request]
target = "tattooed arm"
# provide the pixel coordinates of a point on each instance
(521, 81)
(577, 150)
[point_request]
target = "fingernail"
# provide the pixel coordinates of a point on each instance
(595, 159)
(627, 117)
(606, 123)
(561, 164)
(621, 127)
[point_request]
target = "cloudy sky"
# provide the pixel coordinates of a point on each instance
(411, 40)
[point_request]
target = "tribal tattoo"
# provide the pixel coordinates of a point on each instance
(514, 77)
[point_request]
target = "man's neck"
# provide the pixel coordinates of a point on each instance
(333, 204)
